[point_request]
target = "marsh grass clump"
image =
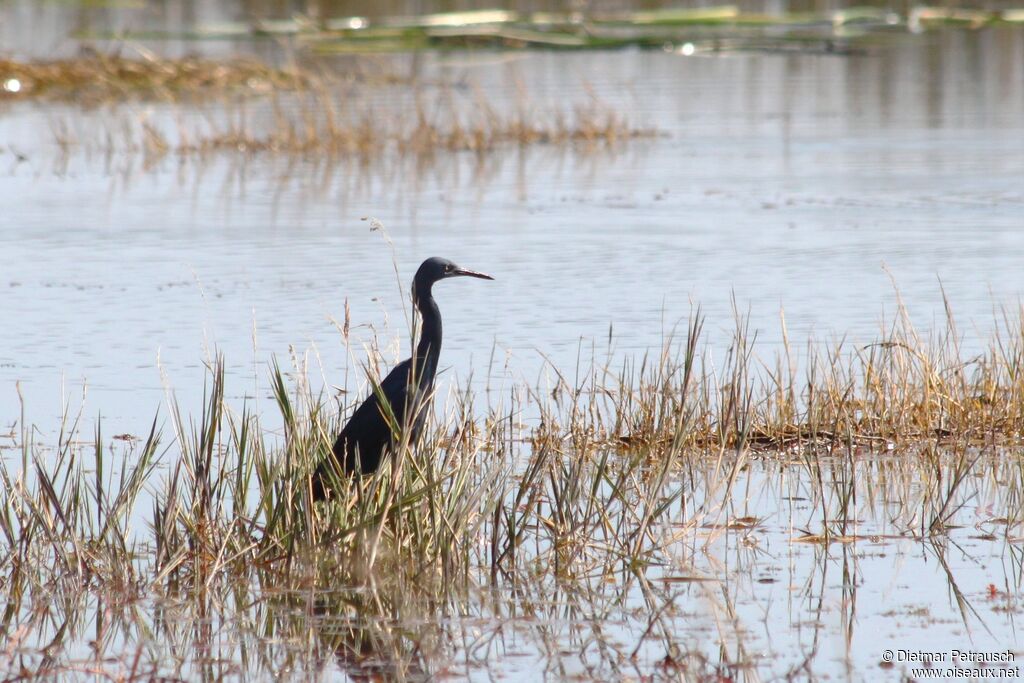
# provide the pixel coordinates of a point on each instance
(319, 125)
(545, 514)
(325, 124)
(902, 389)
(94, 78)
(242, 106)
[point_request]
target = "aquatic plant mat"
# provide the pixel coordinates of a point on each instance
(691, 29)
(700, 513)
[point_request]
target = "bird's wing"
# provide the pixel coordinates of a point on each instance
(367, 429)
(367, 433)
(396, 388)
(398, 379)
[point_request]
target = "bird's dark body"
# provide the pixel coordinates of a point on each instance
(367, 434)
(367, 437)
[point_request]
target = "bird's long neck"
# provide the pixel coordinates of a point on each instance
(428, 349)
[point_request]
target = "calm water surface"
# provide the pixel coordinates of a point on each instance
(809, 184)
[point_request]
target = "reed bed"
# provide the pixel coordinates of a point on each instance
(198, 549)
(424, 131)
(323, 123)
(362, 114)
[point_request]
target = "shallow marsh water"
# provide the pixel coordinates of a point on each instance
(803, 182)
(808, 184)
(749, 596)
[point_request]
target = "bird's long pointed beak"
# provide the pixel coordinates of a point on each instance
(471, 273)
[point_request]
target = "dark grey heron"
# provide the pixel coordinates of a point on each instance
(368, 436)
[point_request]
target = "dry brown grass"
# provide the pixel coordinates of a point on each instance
(611, 495)
(331, 115)
(321, 132)
(323, 123)
(95, 78)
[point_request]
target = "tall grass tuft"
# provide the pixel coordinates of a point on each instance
(619, 481)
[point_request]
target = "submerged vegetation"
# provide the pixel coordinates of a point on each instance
(569, 518)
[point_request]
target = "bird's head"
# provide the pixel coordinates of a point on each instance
(437, 268)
